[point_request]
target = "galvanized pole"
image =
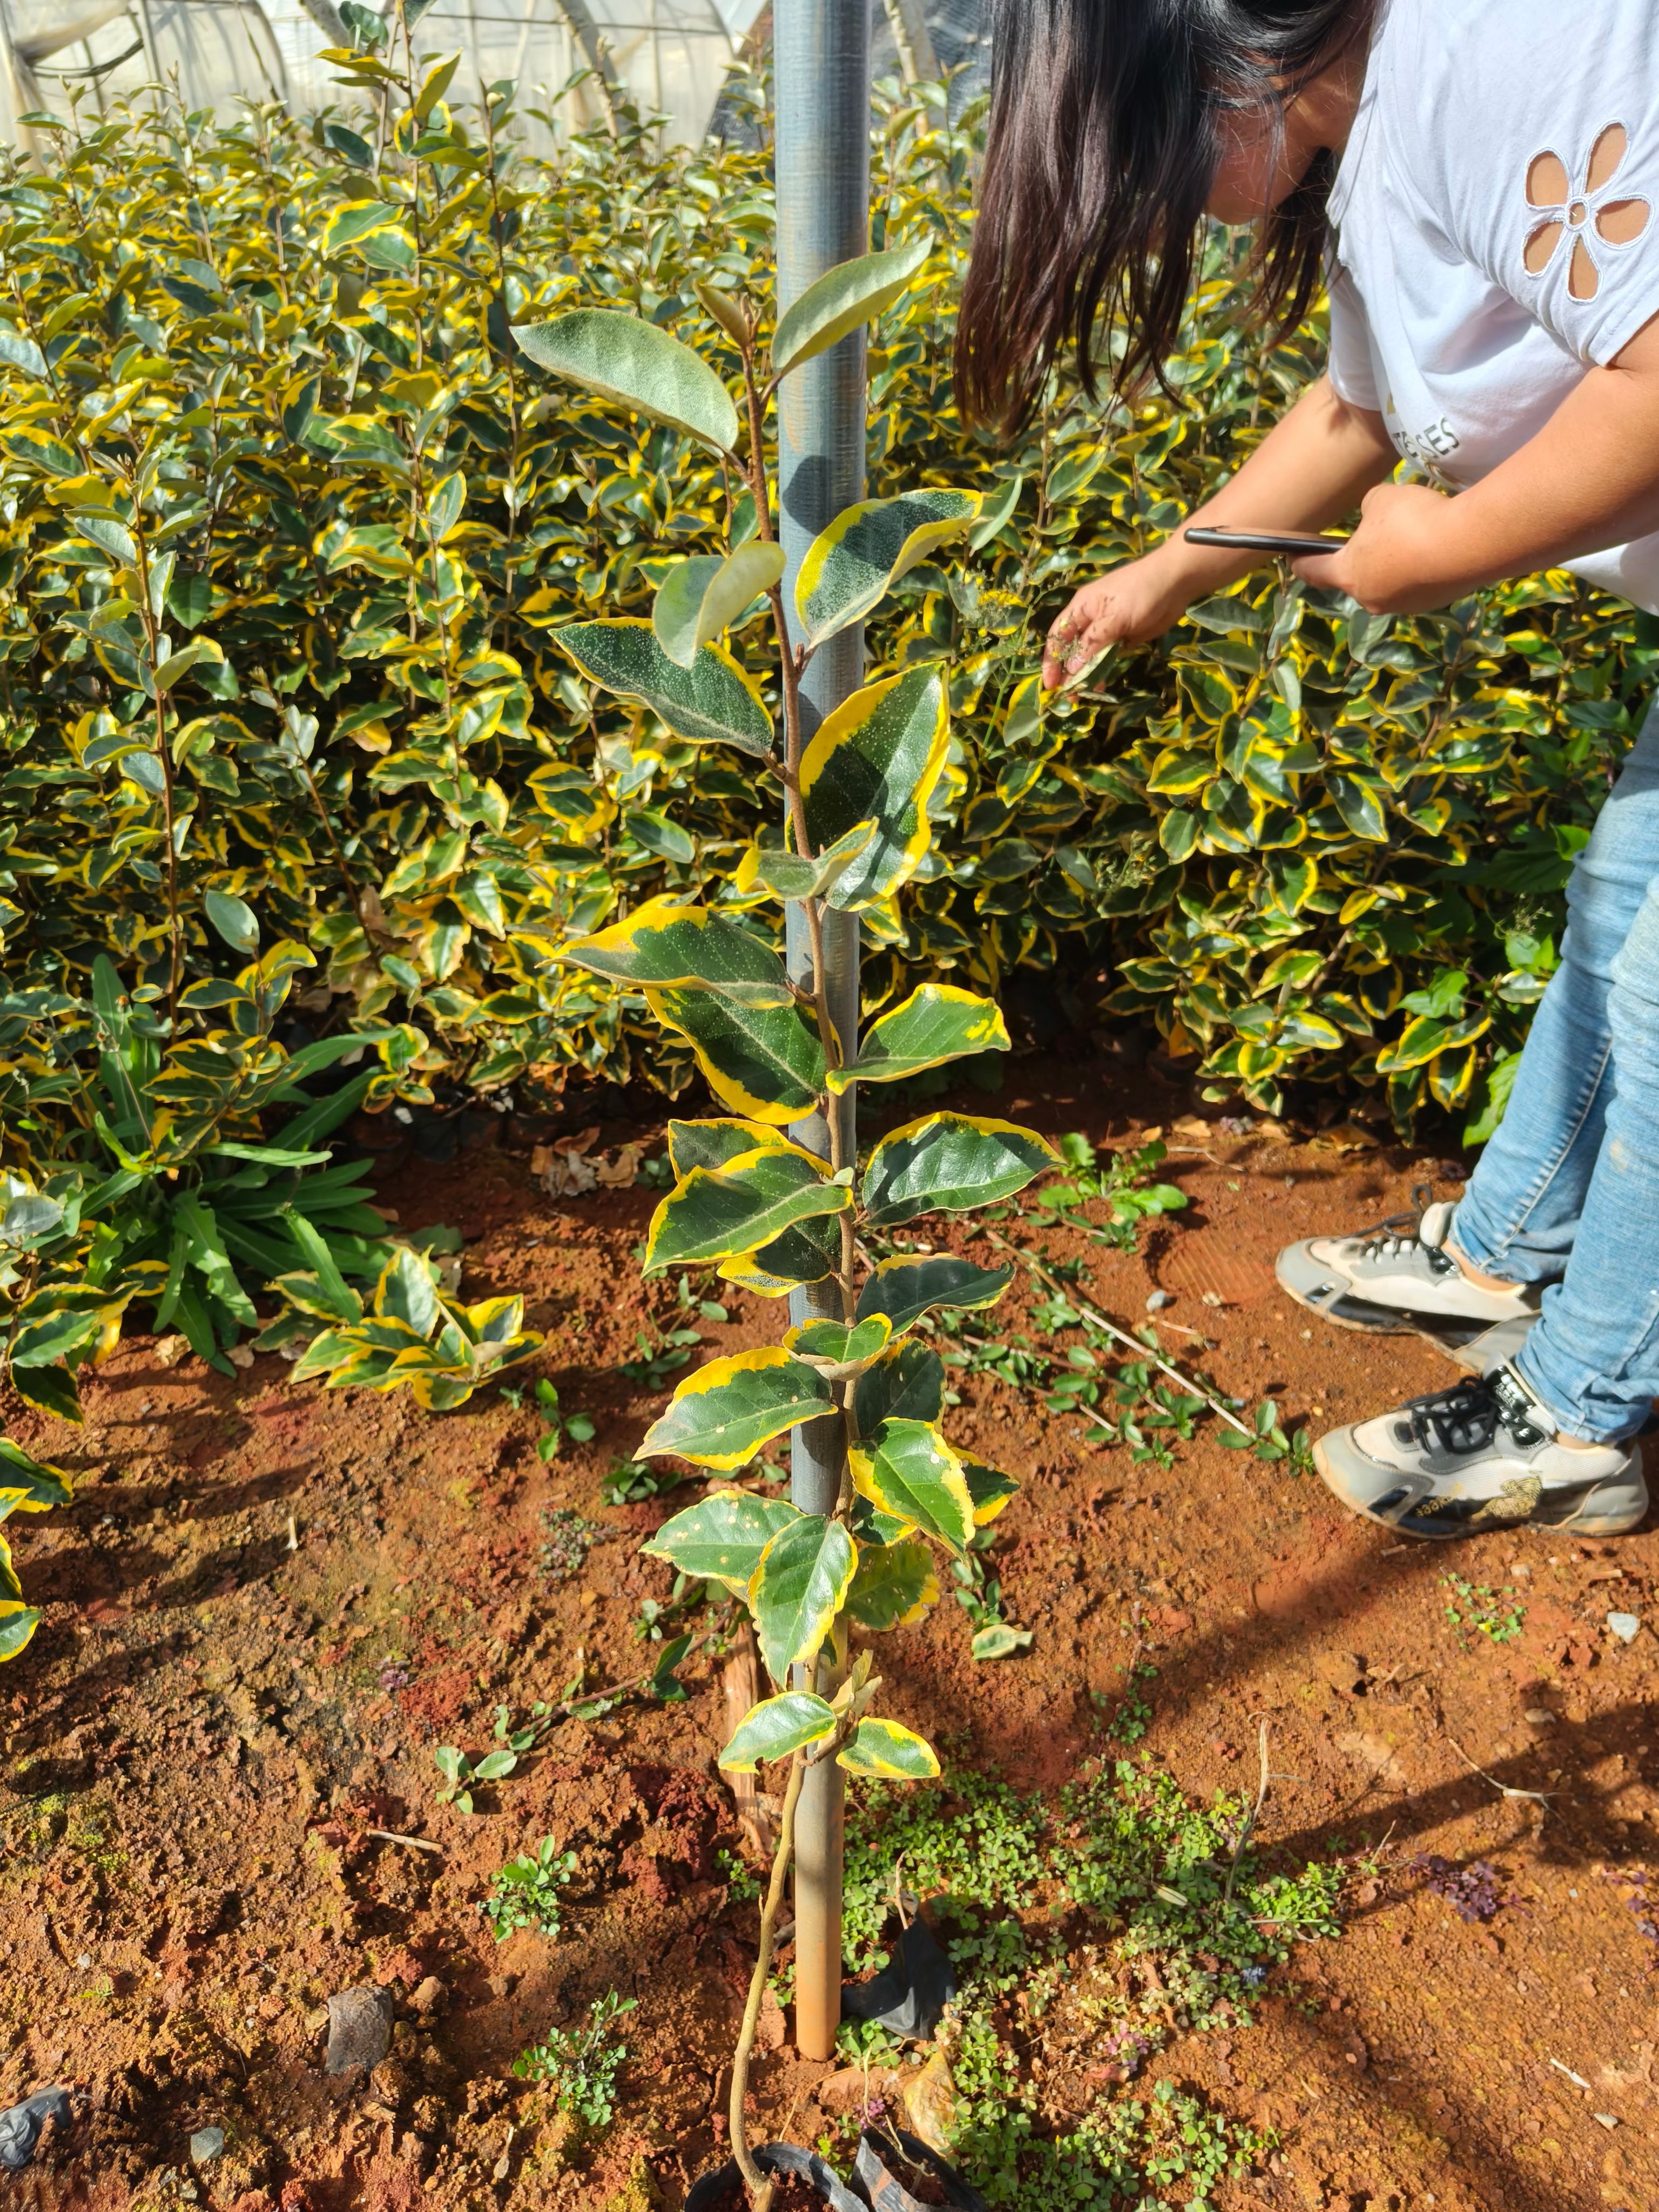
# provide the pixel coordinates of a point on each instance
(821, 52)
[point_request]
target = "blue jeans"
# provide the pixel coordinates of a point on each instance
(1567, 1191)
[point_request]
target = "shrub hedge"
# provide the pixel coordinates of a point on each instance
(285, 523)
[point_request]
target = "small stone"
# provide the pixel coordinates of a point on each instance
(359, 2030)
(205, 2145)
(1539, 1717)
(429, 1996)
(1158, 1300)
(1623, 1625)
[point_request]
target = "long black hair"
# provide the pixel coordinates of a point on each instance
(1105, 135)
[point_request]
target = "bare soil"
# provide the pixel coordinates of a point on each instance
(268, 1605)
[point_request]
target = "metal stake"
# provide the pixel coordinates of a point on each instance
(820, 51)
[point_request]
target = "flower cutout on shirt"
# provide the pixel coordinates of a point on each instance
(1582, 214)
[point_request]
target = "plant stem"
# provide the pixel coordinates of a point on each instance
(760, 2187)
(1110, 1329)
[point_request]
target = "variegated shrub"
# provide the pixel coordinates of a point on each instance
(772, 1214)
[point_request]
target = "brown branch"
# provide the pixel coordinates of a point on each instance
(759, 2185)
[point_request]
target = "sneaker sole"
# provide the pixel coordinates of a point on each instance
(1456, 1335)
(1588, 1521)
(1448, 1333)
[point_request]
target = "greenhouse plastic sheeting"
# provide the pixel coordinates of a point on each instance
(672, 55)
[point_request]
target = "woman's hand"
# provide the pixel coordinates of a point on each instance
(1402, 560)
(1130, 606)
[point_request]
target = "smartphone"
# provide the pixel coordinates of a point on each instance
(1265, 541)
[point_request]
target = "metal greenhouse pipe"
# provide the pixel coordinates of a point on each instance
(821, 54)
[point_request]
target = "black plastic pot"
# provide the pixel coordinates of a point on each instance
(886, 2190)
(778, 2158)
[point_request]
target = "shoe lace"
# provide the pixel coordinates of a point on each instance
(1464, 1419)
(1402, 1233)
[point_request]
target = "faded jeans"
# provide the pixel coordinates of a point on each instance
(1567, 1191)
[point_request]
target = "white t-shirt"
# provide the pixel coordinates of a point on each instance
(1496, 216)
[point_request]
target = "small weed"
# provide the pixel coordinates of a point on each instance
(657, 1174)
(1268, 1440)
(567, 1540)
(1135, 1714)
(557, 1427)
(655, 1361)
(686, 1298)
(526, 1892)
(657, 1613)
(580, 2065)
(1472, 1891)
(1121, 1180)
(1491, 1613)
(631, 1481)
(743, 1884)
(979, 1597)
(461, 1770)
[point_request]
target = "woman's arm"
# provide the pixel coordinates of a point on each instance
(1589, 479)
(1311, 469)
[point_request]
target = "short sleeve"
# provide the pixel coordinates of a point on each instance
(1535, 145)
(1350, 363)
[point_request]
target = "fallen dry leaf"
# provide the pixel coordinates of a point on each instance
(623, 1171)
(170, 1350)
(1346, 1137)
(1372, 1752)
(240, 1355)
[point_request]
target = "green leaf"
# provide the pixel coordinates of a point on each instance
(19, 352)
(625, 358)
(908, 1385)
(765, 1061)
(809, 1253)
(408, 1291)
(29, 1216)
(722, 1415)
(721, 1538)
(37, 449)
(949, 1164)
(777, 1729)
(50, 1390)
(841, 1346)
(990, 1490)
(935, 1024)
(878, 757)
(29, 1485)
(234, 920)
(1000, 1641)
(895, 1586)
(995, 514)
(698, 601)
(850, 568)
(354, 221)
(798, 1589)
(109, 536)
(884, 1749)
(715, 702)
(793, 876)
(908, 1469)
(841, 301)
(905, 1289)
(664, 943)
(715, 1216)
(711, 1144)
(18, 1622)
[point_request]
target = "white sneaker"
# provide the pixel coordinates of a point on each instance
(1397, 1278)
(1484, 1455)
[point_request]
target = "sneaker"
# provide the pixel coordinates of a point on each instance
(1493, 1348)
(1481, 1456)
(1397, 1278)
